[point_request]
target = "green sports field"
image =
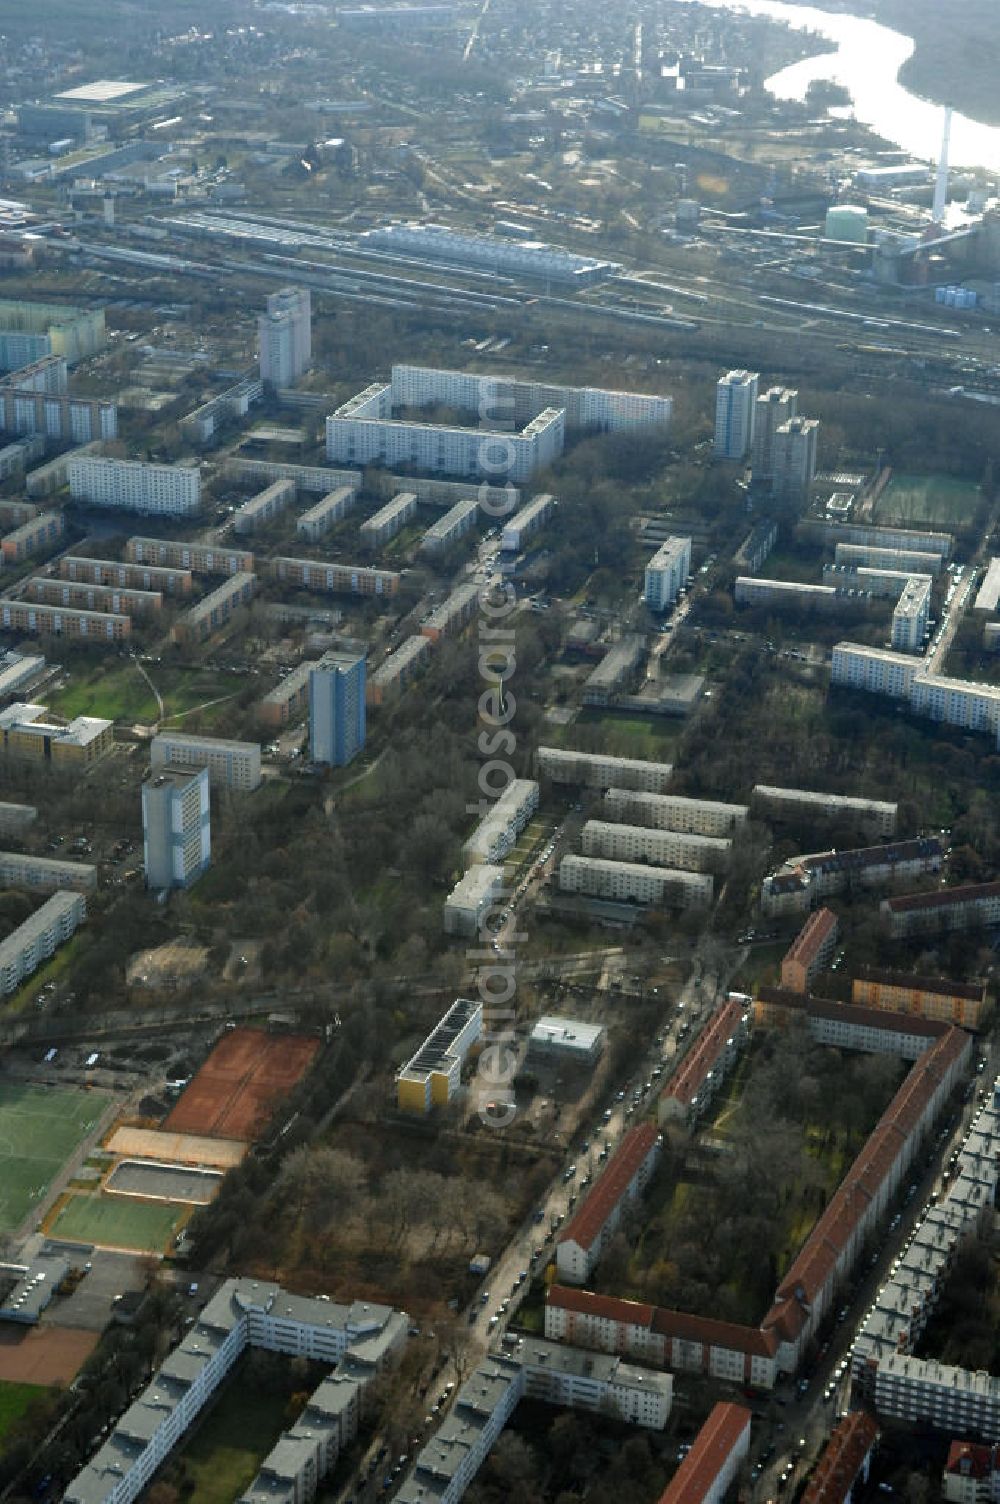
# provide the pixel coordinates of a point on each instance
(14, 1401)
(40, 1126)
(118, 1221)
(927, 500)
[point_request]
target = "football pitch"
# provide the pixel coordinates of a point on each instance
(40, 1126)
(118, 1221)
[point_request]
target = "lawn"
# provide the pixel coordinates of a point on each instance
(940, 500)
(224, 1454)
(121, 693)
(118, 1221)
(15, 1399)
(40, 1126)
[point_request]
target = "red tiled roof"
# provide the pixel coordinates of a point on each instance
(741, 1339)
(586, 1225)
(711, 1451)
(817, 928)
(965, 1459)
(819, 1253)
(841, 1460)
(690, 1075)
(852, 1013)
(609, 1307)
(941, 897)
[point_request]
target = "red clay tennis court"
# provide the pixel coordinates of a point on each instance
(241, 1083)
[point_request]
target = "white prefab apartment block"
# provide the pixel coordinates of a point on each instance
(876, 670)
(39, 937)
(666, 573)
(876, 815)
(456, 522)
(735, 411)
(264, 506)
(794, 459)
(910, 618)
(772, 409)
(135, 485)
(957, 702)
(498, 830)
(661, 848)
(360, 1339)
(388, 520)
(230, 764)
(331, 509)
(625, 882)
(176, 831)
(43, 874)
(596, 770)
(472, 897)
(515, 428)
(284, 334)
(910, 561)
(531, 518)
(700, 817)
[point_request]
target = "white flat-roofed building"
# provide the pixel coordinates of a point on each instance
(215, 609)
(360, 1338)
(595, 1382)
(793, 459)
(871, 556)
(398, 669)
(773, 408)
(176, 828)
(909, 619)
(43, 874)
(498, 830)
(700, 817)
(329, 510)
(666, 573)
(589, 409)
(284, 335)
(876, 815)
(906, 538)
(566, 1040)
(879, 583)
(18, 669)
(495, 253)
(230, 764)
(191, 558)
(25, 732)
(661, 848)
(988, 596)
(957, 702)
(598, 877)
(455, 524)
(531, 518)
(388, 520)
(878, 671)
(472, 897)
(597, 770)
(264, 506)
(433, 1076)
(735, 410)
(39, 937)
(135, 485)
(791, 594)
(363, 432)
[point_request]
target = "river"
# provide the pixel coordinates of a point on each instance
(866, 62)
